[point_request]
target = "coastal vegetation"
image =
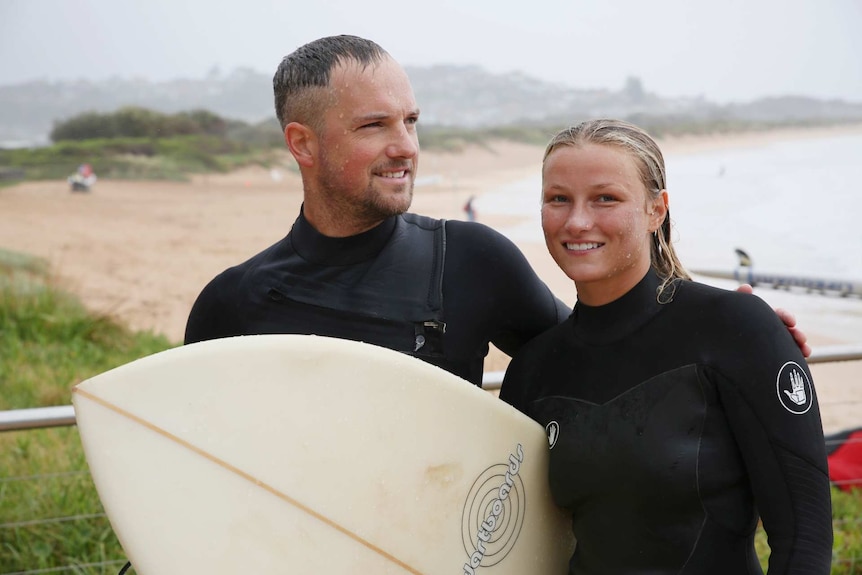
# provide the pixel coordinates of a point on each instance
(51, 520)
(142, 144)
(50, 514)
(137, 143)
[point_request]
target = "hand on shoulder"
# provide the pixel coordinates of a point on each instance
(789, 321)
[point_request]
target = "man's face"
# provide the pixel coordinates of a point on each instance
(368, 145)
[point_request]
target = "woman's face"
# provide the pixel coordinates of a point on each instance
(597, 219)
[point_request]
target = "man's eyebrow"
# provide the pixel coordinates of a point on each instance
(377, 116)
(372, 117)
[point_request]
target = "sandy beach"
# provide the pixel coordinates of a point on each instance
(142, 251)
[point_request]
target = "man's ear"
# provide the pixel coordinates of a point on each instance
(302, 143)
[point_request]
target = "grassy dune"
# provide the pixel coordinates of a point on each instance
(50, 514)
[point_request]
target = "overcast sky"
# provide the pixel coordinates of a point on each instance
(724, 50)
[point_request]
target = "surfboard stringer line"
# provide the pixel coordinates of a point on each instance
(248, 477)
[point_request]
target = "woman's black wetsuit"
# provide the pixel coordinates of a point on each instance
(673, 426)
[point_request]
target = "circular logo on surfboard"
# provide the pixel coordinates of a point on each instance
(494, 513)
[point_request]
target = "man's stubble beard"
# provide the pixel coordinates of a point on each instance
(372, 207)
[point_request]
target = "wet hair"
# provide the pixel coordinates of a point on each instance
(650, 164)
(303, 74)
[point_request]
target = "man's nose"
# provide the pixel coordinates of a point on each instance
(405, 143)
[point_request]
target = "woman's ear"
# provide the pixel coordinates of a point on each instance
(302, 143)
(658, 211)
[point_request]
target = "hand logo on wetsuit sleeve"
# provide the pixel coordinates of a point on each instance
(797, 386)
(794, 388)
(553, 431)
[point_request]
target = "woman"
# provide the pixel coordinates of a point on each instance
(676, 412)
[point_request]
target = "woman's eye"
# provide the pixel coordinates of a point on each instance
(556, 199)
(605, 198)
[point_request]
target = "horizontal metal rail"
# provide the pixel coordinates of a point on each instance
(64, 415)
(37, 418)
(494, 379)
(77, 568)
(835, 353)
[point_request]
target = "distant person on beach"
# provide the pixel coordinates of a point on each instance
(677, 413)
(83, 179)
(470, 209)
(355, 264)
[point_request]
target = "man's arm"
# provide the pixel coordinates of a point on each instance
(213, 314)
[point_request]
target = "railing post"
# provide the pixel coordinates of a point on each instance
(37, 417)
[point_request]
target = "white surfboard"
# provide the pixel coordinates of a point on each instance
(304, 454)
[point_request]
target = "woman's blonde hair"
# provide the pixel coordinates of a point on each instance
(650, 163)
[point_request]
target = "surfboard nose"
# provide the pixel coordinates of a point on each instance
(254, 453)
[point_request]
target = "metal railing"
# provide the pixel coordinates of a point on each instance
(37, 418)
(63, 415)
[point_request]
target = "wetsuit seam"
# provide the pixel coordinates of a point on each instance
(631, 389)
(787, 448)
(697, 471)
(435, 286)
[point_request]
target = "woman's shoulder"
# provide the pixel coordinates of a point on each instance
(723, 304)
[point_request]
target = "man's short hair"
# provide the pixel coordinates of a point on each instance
(304, 74)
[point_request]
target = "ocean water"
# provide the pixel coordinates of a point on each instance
(795, 207)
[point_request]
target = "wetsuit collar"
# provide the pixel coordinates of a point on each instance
(315, 247)
(604, 324)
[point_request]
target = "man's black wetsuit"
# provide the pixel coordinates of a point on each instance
(437, 290)
(672, 425)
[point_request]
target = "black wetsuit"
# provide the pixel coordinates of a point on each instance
(672, 426)
(437, 290)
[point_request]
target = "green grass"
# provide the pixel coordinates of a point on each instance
(52, 516)
(49, 342)
(847, 521)
(50, 513)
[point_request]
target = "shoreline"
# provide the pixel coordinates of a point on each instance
(673, 146)
(696, 144)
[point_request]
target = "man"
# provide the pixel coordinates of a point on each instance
(355, 264)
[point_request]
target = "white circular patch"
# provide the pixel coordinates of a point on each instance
(794, 388)
(553, 431)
